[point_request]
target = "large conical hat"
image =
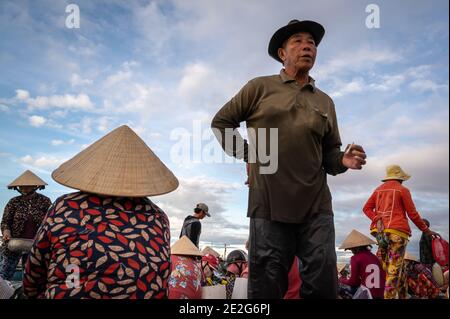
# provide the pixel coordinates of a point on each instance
(28, 178)
(184, 246)
(356, 239)
(118, 164)
(208, 250)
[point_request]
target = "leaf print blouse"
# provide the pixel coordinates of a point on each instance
(185, 278)
(92, 246)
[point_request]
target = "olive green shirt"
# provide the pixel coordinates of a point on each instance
(308, 146)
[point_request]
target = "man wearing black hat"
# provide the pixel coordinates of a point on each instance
(290, 210)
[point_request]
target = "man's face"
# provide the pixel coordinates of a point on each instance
(299, 52)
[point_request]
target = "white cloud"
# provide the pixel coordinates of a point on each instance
(364, 58)
(69, 101)
(424, 85)
(195, 77)
(57, 142)
(4, 108)
(355, 86)
(42, 161)
(37, 121)
(118, 77)
(22, 94)
(76, 80)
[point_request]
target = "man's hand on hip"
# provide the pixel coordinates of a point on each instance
(354, 157)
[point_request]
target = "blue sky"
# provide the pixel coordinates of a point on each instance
(158, 66)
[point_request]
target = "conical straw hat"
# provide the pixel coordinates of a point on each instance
(208, 250)
(408, 256)
(184, 246)
(356, 239)
(340, 266)
(28, 178)
(118, 164)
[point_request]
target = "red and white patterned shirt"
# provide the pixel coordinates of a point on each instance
(92, 246)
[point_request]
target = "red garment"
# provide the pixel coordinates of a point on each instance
(295, 282)
(364, 267)
(392, 201)
(116, 247)
(185, 279)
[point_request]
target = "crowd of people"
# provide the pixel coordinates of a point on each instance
(109, 240)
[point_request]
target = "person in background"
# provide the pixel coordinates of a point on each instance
(22, 217)
(211, 274)
(365, 267)
(192, 227)
(237, 261)
(109, 240)
(186, 271)
(426, 250)
(388, 208)
(418, 281)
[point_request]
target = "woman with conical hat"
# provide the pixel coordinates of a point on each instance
(417, 280)
(108, 240)
(365, 267)
(389, 208)
(186, 271)
(21, 219)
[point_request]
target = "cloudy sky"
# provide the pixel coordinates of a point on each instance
(165, 67)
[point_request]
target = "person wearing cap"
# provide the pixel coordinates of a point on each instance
(236, 267)
(289, 208)
(186, 270)
(365, 267)
(108, 240)
(192, 227)
(21, 218)
(388, 208)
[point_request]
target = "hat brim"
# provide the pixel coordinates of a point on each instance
(315, 29)
(390, 178)
(207, 214)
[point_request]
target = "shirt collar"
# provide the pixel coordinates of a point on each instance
(288, 79)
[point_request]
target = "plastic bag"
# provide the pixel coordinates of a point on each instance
(440, 251)
(362, 293)
(381, 237)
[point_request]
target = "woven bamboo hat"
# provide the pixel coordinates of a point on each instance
(409, 256)
(356, 239)
(395, 172)
(208, 250)
(340, 266)
(118, 164)
(184, 246)
(28, 178)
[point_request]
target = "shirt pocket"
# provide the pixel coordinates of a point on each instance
(317, 121)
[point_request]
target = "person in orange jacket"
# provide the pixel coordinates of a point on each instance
(388, 208)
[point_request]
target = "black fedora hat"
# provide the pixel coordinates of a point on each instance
(294, 26)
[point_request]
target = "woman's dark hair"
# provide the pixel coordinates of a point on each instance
(361, 248)
(197, 210)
